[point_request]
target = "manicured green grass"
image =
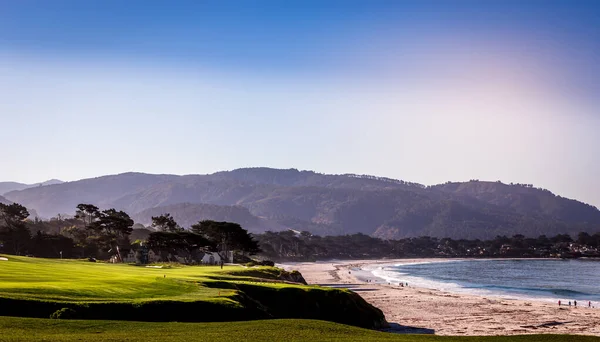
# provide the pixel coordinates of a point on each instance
(31, 329)
(81, 281)
(36, 287)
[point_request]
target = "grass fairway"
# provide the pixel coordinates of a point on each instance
(80, 281)
(36, 287)
(31, 329)
(33, 287)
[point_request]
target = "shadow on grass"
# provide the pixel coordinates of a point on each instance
(396, 328)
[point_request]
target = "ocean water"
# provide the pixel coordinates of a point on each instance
(548, 280)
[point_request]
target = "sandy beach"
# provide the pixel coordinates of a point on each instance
(420, 310)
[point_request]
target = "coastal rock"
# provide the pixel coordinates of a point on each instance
(293, 276)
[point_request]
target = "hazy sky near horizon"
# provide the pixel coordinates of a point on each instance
(425, 91)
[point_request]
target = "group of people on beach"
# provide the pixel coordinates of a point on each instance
(399, 284)
(575, 303)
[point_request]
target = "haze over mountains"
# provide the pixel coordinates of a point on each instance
(13, 186)
(272, 199)
(4, 200)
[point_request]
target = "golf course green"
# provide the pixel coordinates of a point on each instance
(93, 301)
(43, 288)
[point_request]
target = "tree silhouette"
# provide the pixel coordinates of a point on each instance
(14, 233)
(226, 237)
(165, 223)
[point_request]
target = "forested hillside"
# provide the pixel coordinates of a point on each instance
(524, 199)
(272, 199)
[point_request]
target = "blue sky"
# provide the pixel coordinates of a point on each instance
(426, 91)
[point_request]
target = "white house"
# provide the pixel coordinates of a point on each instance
(213, 258)
(130, 257)
(153, 257)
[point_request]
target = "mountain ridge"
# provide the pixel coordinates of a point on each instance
(329, 204)
(6, 187)
(3, 200)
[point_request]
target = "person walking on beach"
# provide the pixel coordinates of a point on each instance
(569, 303)
(575, 303)
(589, 304)
(559, 303)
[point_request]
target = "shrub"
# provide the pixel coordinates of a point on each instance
(261, 263)
(64, 313)
(241, 259)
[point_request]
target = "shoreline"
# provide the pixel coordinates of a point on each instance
(431, 284)
(424, 310)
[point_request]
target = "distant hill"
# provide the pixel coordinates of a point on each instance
(32, 212)
(4, 200)
(524, 199)
(49, 182)
(263, 198)
(11, 186)
(6, 187)
(102, 191)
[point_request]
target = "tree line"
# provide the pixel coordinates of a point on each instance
(96, 233)
(304, 246)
